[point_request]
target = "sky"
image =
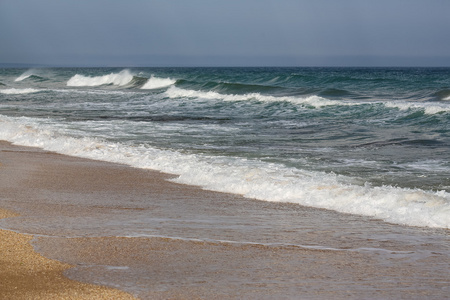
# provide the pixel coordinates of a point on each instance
(225, 32)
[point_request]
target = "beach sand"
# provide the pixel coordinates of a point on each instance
(24, 274)
(83, 213)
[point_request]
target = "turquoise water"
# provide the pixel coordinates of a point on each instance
(366, 141)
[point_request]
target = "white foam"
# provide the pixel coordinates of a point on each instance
(14, 91)
(93, 92)
(122, 78)
(429, 108)
(157, 83)
(251, 178)
(433, 166)
(315, 101)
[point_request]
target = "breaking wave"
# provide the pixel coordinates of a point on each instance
(315, 101)
(312, 100)
(157, 83)
(443, 94)
(14, 91)
(429, 108)
(124, 79)
(119, 79)
(250, 178)
(32, 74)
(25, 75)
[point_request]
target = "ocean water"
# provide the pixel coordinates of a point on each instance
(366, 141)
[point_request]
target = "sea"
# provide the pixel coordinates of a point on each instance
(373, 142)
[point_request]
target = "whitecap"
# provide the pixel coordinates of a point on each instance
(120, 79)
(250, 178)
(14, 91)
(429, 108)
(315, 101)
(157, 83)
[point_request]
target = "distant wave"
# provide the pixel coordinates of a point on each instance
(429, 108)
(124, 79)
(228, 87)
(120, 79)
(24, 75)
(19, 91)
(401, 141)
(312, 100)
(157, 83)
(341, 77)
(32, 74)
(240, 88)
(332, 92)
(443, 94)
(315, 101)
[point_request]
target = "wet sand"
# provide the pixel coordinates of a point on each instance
(134, 230)
(24, 274)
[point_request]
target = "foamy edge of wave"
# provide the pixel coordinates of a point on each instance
(429, 108)
(14, 91)
(250, 178)
(157, 83)
(315, 101)
(120, 79)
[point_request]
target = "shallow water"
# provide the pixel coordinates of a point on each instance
(367, 141)
(132, 229)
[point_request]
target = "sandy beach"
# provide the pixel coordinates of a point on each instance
(199, 244)
(24, 274)
(252, 150)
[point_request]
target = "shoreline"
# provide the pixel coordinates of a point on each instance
(25, 274)
(81, 211)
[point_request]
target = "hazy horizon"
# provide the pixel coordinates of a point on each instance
(283, 33)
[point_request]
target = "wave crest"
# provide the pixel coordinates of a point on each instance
(120, 79)
(315, 101)
(14, 91)
(25, 75)
(429, 108)
(157, 83)
(36, 75)
(443, 94)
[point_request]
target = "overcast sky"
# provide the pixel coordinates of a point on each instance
(226, 32)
